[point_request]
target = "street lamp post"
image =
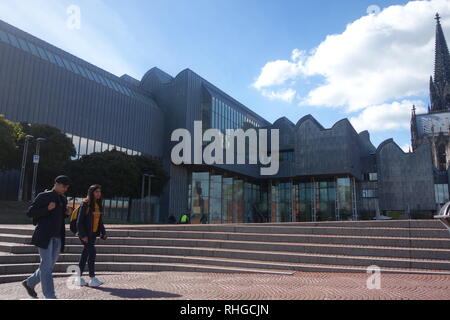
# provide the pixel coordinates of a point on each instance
(142, 196)
(150, 176)
(24, 163)
(150, 195)
(36, 163)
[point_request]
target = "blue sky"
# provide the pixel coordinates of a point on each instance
(331, 59)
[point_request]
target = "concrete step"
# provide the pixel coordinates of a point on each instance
(143, 267)
(138, 231)
(192, 238)
(403, 246)
(357, 231)
(281, 256)
(427, 224)
(241, 259)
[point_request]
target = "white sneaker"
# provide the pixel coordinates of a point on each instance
(80, 282)
(94, 282)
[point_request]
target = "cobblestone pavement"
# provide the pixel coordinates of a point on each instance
(207, 286)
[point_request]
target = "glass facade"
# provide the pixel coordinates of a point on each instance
(441, 193)
(215, 199)
(344, 199)
(303, 202)
(85, 146)
(200, 197)
(281, 202)
(325, 200)
(224, 116)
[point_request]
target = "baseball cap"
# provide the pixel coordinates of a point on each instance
(65, 180)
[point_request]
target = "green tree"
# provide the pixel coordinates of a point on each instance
(113, 170)
(10, 133)
(55, 153)
(119, 174)
(154, 167)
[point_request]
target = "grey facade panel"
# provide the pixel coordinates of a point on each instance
(406, 181)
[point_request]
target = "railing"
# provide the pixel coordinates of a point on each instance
(444, 215)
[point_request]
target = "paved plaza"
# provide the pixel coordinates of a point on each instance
(211, 286)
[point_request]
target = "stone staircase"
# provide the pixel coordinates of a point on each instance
(417, 246)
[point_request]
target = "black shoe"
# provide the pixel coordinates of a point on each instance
(30, 291)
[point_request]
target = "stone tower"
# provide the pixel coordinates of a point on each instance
(434, 127)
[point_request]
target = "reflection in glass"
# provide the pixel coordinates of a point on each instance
(326, 200)
(238, 201)
(227, 200)
(216, 200)
(200, 197)
(344, 199)
(83, 146)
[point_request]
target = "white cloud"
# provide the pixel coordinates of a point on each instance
(378, 58)
(278, 72)
(406, 148)
(47, 19)
(388, 116)
(287, 95)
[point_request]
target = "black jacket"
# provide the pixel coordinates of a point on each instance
(86, 220)
(47, 222)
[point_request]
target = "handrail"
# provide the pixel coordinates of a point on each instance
(444, 215)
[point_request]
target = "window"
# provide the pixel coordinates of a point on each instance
(33, 49)
(4, 37)
(441, 193)
(67, 64)
(83, 146)
(76, 143)
(59, 61)
(23, 45)
(108, 82)
(98, 146)
(83, 72)
(373, 177)
(96, 77)
(102, 80)
(13, 41)
(369, 193)
(42, 53)
(89, 75)
(74, 67)
(51, 57)
(90, 146)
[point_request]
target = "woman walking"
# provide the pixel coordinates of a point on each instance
(90, 226)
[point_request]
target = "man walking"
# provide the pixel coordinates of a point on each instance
(48, 211)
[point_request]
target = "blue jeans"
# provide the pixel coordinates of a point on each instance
(44, 274)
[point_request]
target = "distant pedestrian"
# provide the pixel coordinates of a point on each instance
(48, 211)
(204, 219)
(90, 226)
(185, 219)
(172, 219)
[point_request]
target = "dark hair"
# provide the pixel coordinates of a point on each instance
(91, 199)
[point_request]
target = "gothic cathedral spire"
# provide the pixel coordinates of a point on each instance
(440, 85)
